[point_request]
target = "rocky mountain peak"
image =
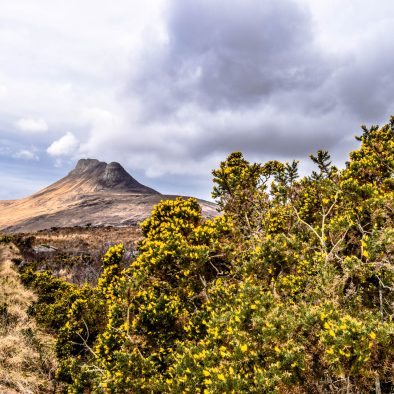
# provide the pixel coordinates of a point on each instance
(84, 164)
(102, 176)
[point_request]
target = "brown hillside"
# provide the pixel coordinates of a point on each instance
(94, 193)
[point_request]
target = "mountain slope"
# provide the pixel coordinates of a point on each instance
(93, 193)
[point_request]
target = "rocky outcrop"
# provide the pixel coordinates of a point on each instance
(103, 176)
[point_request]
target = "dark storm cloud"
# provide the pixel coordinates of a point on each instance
(366, 85)
(250, 76)
(246, 73)
(230, 55)
(273, 139)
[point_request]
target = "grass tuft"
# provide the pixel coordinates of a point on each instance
(27, 359)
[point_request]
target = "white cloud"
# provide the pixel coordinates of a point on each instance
(3, 92)
(32, 125)
(25, 154)
(65, 146)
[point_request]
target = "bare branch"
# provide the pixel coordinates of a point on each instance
(309, 226)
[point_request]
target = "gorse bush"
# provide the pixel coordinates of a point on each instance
(290, 289)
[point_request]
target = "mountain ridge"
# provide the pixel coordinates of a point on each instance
(93, 193)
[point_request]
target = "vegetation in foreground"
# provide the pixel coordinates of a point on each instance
(27, 357)
(290, 290)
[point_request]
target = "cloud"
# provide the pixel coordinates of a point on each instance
(366, 86)
(229, 56)
(254, 76)
(65, 146)
(3, 92)
(213, 84)
(32, 125)
(170, 87)
(25, 154)
(219, 83)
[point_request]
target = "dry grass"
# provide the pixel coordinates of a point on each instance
(78, 250)
(78, 239)
(27, 360)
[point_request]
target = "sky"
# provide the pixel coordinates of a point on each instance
(169, 88)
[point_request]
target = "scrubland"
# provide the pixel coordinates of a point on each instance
(289, 290)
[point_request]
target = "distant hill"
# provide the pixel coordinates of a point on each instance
(93, 193)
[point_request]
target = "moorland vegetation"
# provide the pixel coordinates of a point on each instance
(289, 290)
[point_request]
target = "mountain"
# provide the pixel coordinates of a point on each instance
(93, 193)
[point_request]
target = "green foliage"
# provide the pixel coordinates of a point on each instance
(289, 290)
(55, 297)
(6, 238)
(322, 160)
